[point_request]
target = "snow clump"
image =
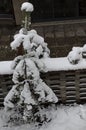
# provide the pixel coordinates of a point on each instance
(28, 7)
(32, 43)
(75, 55)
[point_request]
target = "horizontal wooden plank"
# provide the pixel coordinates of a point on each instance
(83, 98)
(83, 89)
(70, 101)
(53, 81)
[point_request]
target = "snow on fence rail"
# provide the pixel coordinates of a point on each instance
(67, 81)
(52, 64)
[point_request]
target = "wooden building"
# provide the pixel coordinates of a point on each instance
(61, 22)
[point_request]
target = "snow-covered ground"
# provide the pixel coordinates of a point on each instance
(64, 118)
(52, 64)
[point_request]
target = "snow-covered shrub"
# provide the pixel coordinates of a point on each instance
(84, 51)
(75, 55)
(29, 94)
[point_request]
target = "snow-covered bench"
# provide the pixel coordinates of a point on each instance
(67, 81)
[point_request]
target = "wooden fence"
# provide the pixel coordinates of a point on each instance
(5, 85)
(69, 86)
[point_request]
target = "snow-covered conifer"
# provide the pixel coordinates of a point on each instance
(29, 93)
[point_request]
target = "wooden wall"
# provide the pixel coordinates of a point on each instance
(61, 36)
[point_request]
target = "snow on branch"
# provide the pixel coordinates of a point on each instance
(32, 43)
(28, 7)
